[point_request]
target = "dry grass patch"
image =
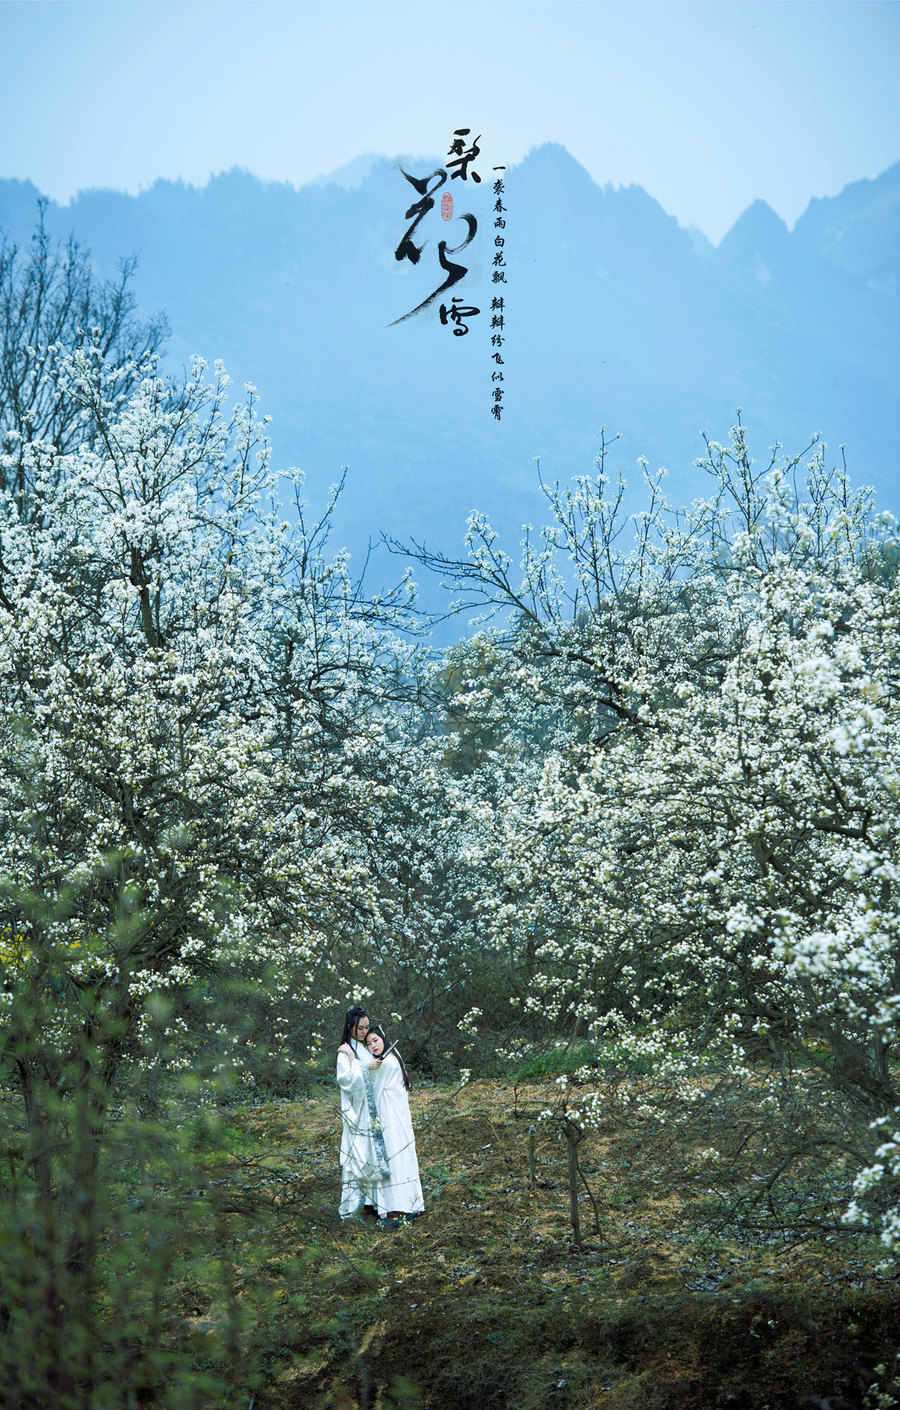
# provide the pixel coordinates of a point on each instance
(487, 1302)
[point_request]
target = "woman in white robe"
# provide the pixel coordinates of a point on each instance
(400, 1195)
(364, 1161)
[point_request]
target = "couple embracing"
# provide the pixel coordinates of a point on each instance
(379, 1168)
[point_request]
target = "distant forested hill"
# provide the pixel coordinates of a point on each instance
(615, 316)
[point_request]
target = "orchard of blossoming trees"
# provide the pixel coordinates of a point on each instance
(655, 803)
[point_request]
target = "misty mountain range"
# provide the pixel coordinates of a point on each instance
(614, 316)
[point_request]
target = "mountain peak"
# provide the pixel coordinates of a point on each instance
(758, 240)
(553, 157)
(758, 221)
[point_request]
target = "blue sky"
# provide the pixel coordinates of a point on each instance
(707, 105)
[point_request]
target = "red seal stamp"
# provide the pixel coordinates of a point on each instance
(447, 206)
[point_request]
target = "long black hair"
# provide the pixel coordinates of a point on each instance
(377, 1028)
(350, 1021)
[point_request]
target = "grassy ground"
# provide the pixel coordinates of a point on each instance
(488, 1302)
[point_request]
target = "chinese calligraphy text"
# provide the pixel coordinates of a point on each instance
(426, 187)
(498, 302)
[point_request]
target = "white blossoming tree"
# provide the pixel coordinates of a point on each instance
(51, 304)
(708, 855)
(193, 697)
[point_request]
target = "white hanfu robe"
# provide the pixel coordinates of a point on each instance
(402, 1191)
(364, 1162)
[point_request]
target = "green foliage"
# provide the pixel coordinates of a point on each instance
(402, 1394)
(565, 1059)
(435, 1179)
(94, 1267)
(557, 1061)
